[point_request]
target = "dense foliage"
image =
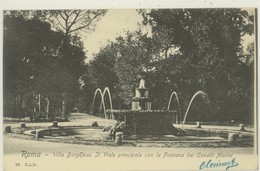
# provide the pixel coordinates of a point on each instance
(186, 51)
(39, 63)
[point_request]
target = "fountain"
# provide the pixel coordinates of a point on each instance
(188, 108)
(141, 120)
(144, 125)
(141, 101)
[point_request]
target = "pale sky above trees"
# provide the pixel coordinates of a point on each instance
(117, 22)
(113, 24)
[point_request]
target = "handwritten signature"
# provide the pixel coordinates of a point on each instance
(212, 164)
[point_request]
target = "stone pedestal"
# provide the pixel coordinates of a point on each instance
(94, 123)
(119, 138)
(232, 137)
(8, 129)
(22, 125)
(241, 127)
(55, 124)
(198, 125)
(38, 134)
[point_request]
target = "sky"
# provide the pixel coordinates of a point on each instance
(113, 24)
(117, 22)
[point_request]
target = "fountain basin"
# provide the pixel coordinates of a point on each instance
(95, 134)
(86, 132)
(146, 122)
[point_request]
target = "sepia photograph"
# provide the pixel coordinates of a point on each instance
(130, 89)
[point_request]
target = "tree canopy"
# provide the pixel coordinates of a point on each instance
(188, 50)
(210, 41)
(38, 60)
(66, 21)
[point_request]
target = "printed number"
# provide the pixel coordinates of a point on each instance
(17, 164)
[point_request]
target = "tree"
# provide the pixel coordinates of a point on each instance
(119, 66)
(209, 41)
(103, 66)
(38, 61)
(99, 73)
(133, 56)
(64, 63)
(67, 21)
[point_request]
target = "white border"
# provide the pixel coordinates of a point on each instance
(98, 4)
(117, 4)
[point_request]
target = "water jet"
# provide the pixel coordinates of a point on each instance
(192, 99)
(177, 99)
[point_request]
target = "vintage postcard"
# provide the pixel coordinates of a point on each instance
(143, 88)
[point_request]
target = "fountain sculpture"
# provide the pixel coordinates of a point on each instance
(141, 120)
(141, 101)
